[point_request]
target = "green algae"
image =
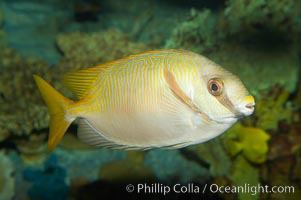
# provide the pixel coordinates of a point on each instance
(213, 153)
(243, 173)
(250, 141)
(260, 65)
(19, 103)
(82, 50)
(256, 40)
(273, 107)
(249, 17)
(197, 33)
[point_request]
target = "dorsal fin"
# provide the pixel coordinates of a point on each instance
(80, 81)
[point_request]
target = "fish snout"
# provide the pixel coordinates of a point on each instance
(247, 106)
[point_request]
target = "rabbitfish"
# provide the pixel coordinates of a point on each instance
(163, 98)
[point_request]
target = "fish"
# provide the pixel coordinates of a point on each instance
(156, 99)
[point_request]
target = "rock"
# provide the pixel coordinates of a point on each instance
(79, 163)
(32, 27)
(7, 181)
(171, 166)
(48, 183)
(132, 169)
(32, 150)
(126, 171)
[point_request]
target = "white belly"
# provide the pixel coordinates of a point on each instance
(155, 129)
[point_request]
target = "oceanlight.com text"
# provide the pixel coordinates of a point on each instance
(251, 189)
(191, 188)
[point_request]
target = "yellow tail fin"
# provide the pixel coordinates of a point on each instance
(57, 106)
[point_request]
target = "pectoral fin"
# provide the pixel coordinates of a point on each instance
(179, 93)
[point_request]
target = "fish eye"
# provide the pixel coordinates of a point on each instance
(215, 86)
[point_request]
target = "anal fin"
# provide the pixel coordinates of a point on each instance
(89, 135)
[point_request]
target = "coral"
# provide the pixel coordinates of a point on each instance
(83, 50)
(250, 141)
(249, 16)
(4, 134)
(197, 33)
(271, 107)
(48, 183)
(285, 141)
(297, 98)
(279, 173)
(284, 163)
(7, 181)
(131, 169)
(20, 102)
(296, 175)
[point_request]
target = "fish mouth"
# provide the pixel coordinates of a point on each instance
(250, 106)
(247, 106)
(250, 102)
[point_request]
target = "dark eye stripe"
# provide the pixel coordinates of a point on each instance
(216, 88)
(225, 101)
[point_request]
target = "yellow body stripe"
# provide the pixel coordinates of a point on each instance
(137, 81)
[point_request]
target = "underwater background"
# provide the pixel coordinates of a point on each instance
(258, 40)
